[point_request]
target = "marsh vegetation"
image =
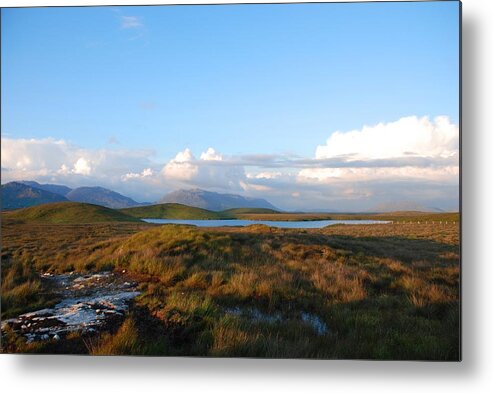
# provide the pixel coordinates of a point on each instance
(387, 291)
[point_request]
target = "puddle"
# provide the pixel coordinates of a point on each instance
(256, 316)
(91, 302)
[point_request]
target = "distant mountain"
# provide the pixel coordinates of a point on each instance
(54, 188)
(403, 206)
(17, 195)
(101, 196)
(213, 200)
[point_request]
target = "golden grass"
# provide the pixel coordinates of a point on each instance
(384, 291)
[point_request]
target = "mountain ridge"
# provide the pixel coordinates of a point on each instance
(16, 195)
(54, 188)
(101, 196)
(214, 201)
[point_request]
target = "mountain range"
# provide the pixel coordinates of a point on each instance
(21, 194)
(213, 200)
(18, 195)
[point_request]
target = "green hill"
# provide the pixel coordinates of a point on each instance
(174, 211)
(68, 213)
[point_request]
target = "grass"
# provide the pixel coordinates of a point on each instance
(22, 289)
(67, 212)
(384, 291)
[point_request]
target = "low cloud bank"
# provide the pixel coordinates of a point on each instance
(411, 159)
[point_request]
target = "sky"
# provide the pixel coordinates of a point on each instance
(311, 106)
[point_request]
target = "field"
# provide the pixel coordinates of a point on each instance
(385, 291)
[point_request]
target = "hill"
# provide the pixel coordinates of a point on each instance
(17, 195)
(101, 196)
(174, 211)
(68, 213)
(213, 200)
(54, 188)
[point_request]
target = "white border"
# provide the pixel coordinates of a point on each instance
(84, 374)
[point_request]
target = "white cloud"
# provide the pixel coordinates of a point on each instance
(147, 172)
(81, 167)
(408, 136)
(410, 148)
(182, 167)
(264, 175)
(54, 160)
(211, 155)
(131, 22)
(212, 170)
(413, 159)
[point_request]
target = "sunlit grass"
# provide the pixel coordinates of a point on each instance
(384, 291)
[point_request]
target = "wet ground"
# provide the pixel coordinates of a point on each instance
(255, 315)
(89, 303)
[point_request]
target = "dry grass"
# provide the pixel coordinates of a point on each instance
(384, 291)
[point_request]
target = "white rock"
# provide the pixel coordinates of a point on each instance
(56, 337)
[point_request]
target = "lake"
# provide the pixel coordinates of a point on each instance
(277, 224)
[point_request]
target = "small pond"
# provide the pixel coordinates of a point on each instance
(276, 224)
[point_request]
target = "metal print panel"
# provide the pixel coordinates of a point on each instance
(267, 180)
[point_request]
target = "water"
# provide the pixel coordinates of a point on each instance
(255, 316)
(276, 224)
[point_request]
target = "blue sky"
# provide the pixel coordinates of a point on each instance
(243, 79)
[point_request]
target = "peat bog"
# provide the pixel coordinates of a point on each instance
(388, 291)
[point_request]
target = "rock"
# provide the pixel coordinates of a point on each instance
(45, 337)
(56, 337)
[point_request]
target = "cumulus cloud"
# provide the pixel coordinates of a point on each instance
(182, 167)
(408, 136)
(147, 172)
(211, 155)
(82, 167)
(409, 148)
(210, 170)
